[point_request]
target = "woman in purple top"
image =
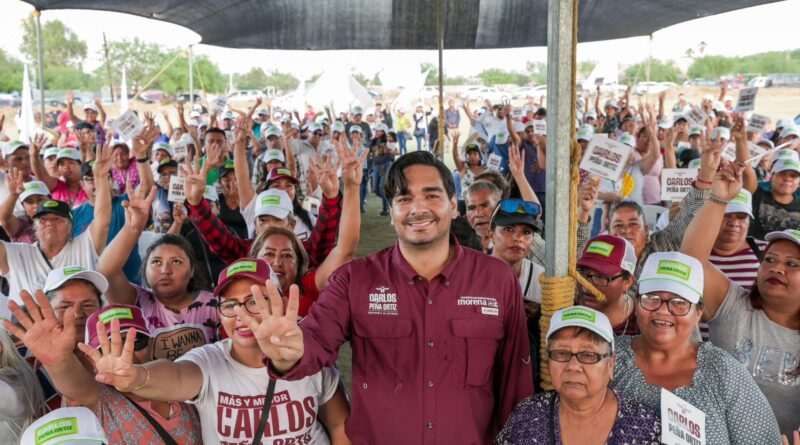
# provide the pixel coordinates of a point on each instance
(583, 409)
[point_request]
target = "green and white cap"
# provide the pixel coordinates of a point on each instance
(788, 235)
(787, 153)
(696, 131)
(582, 317)
(58, 277)
(721, 133)
(337, 126)
(785, 164)
(211, 193)
(65, 426)
(52, 151)
(273, 202)
(161, 145)
(274, 155)
(585, 133)
(741, 203)
(34, 188)
(694, 163)
(272, 130)
(627, 139)
(673, 272)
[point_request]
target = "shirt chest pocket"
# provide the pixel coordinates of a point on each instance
(476, 343)
(380, 352)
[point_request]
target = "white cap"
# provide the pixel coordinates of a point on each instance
(787, 153)
(186, 139)
(382, 127)
(194, 115)
(52, 151)
(673, 272)
(791, 130)
(272, 130)
(263, 112)
(161, 145)
(666, 124)
(357, 110)
(355, 129)
(768, 143)
(582, 317)
(13, 146)
(68, 153)
(57, 277)
(274, 155)
(228, 115)
(90, 106)
(788, 235)
(338, 126)
(273, 202)
(721, 133)
(709, 97)
(314, 127)
(694, 163)
(34, 188)
(783, 123)
(197, 107)
(696, 131)
(719, 106)
(211, 193)
(785, 164)
(612, 103)
(590, 114)
(727, 98)
(585, 133)
(741, 203)
(627, 139)
(76, 425)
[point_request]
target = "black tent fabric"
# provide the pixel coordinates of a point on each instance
(401, 24)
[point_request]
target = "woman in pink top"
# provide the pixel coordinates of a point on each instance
(124, 170)
(651, 190)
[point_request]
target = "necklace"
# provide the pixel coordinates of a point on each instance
(627, 315)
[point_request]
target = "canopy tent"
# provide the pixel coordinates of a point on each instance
(400, 24)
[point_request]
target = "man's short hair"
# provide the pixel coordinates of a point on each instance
(215, 130)
(497, 179)
(481, 186)
(396, 183)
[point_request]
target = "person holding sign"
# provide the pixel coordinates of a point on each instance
(583, 408)
(666, 355)
(760, 327)
(468, 169)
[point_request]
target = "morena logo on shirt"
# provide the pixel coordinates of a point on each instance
(56, 428)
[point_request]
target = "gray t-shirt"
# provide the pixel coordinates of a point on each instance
(769, 351)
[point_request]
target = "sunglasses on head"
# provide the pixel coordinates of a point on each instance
(519, 206)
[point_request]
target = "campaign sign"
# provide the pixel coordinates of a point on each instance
(696, 117)
(747, 99)
(219, 104)
(757, 123)
(605, 157)
(756, 152)
(127, 126)
(681, 422)
(181, 151)
(729, 152)
(177, 193)
(540, 127)
(4, 312)
(494, 162)
(676, 183)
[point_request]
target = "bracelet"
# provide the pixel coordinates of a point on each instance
(718, 200)
(703, 182)
(146, 379)
(142, 161)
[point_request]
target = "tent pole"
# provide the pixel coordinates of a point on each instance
(440, 38)
(191, 77)
(561, 90)
(38, 15)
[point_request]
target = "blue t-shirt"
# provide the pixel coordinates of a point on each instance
(83, 216)
(502, 151)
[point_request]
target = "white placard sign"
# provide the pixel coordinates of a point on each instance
(219, 104)
(177, 193)
(696, 117)
(494, 162)
(729, 152)
(747, 99)
(683, 146)
(4, 312)
(756, 151)
(127, 126)
(181, 151)
(540, 127)
(681, 422)
(676, 183)
(605, 157)
(757, 123)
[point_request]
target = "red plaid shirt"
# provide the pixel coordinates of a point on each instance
(229, 247)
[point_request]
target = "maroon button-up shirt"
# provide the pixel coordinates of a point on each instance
(434, 362)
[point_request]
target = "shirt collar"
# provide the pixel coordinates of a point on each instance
(409, 273)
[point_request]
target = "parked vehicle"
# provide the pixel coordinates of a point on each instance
(488, 93)
(153, 96)
(246, 95)
(184, 97)
(760, 82)
(699, 82)
(783, 80)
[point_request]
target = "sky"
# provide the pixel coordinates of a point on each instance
(769, 27)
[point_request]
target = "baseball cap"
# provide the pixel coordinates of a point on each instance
(13, 146)
(721, 133)
(273, 202)
(783, 123)
(591, 114)
(727, 98)
(672, 272)
(225, 168)
(790, 131)
(252, 268)
(612, 103)
(678, 117)
(314, 127)
(785, 164)
(86, 169)
(186, 139)
(769, 144)
(34, 188)
(357, 110)
(696, 131)
(83, 125)
(58, 277)
(788, 235)
(272, 130)
(510, 212)
(627, 139)
(585, 133)
(161, 145)
(666, 124)
(582, 317)
(59, 208)
(211, 193)
(263, 112)
(52, 151)
(719, 106)
(741, 203)
(228, 115)
(472, 147)
(128, 316)
(166, 163)
(65, 426)
(787, 153)
(68, 153)
(382, 127)
(338, 126)
(274, 155)
(280, 173)
(90, 106)
(355, 129)
(609, 255)
(194, 114)
(694, 163)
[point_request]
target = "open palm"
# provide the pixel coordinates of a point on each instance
(114, 360)
(45, 336)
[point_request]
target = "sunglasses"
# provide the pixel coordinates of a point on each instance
(317, 133)
(519, 206)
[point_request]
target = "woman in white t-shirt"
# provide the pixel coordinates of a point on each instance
(228, 382)
(19, 390)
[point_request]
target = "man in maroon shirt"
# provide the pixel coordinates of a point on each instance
(440, 349)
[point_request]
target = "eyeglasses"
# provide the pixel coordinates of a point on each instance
(228, 308)
(519, 206)
(317, 133)
(585, 357)
(676, 306)
(597, 279)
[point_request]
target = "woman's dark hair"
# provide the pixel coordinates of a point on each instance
(396, 182)
(196, 283)
(297, 246)
(301, 213)
(626, 205)
(498, 180)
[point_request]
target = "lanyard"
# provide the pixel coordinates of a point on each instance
(262, 423)
(44, 256)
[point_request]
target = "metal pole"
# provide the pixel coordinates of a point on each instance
(649, 57)
(560, 90)
(191, 77)
(108, 69)
(440, 38)
(38, 15)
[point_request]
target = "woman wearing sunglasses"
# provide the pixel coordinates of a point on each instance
(666, 355)
(583, 409)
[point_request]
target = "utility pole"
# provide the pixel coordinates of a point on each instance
(108, 68)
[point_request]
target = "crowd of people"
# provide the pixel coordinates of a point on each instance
(195, 283)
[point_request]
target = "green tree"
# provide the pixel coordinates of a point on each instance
(432, 78)
(537, 72)
(283, 82)
(660, 71)
(69, 78)
(255, 79)
(497, 76)
(712, 67)
(207, 75)
(141, 60)
(361, 78)
(585, 67)
(60, 45)
(10, 73)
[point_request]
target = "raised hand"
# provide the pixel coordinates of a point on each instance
(144, 140)
(277, 333)
(179, 215)
(351, 163)
(114, 360)
(36, 144)
(194, 181)
(516, 162)
(102, 162)
(50, 340)
(70, 98)
(325, 172)
(137, 209)
(587, 197)
(738, 129)
(243, 129)
(16, 182)
(215, 156)
(728, 181)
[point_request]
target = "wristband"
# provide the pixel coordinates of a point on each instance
(714, 198)
(142, 161)
(146, 379)
(703, 182)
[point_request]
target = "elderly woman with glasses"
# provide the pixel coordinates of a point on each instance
(666, 355)
(583, 409)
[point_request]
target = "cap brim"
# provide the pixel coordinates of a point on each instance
(603, 267)
(578, 323)
(668, 285)
(736, 207)
(291, 178)
(26, 195)
(97, 279)
(273, 211)
(251, 275)
(778, 236)
(51, 211)
(510, 220)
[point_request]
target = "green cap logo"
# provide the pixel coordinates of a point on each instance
(674, 268)
(118, 313)
(741, 197)
(794, 233)
(242, 266)
(72, 270)
(270, 200)
(50, 204)
(228, 164)
(785, 154)
(578, 313)
(791, 163)
(600, 248)
(283, 171)
(56, 428)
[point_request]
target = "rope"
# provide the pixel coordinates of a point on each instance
(159, 74)
(559, 292)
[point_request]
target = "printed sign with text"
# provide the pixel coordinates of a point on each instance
(177, 193)
(757, 123)
(676, 183)
(747, 99)
(540, 127)
(605, 157)
(494, 162)
(127, 126)
(681, 422)
(696, 117)
(181, 151)
(219, 104)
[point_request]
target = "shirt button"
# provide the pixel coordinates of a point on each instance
(430, 383)
(430, 344)
(430, 301)
(429, 425)
(365, 385)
